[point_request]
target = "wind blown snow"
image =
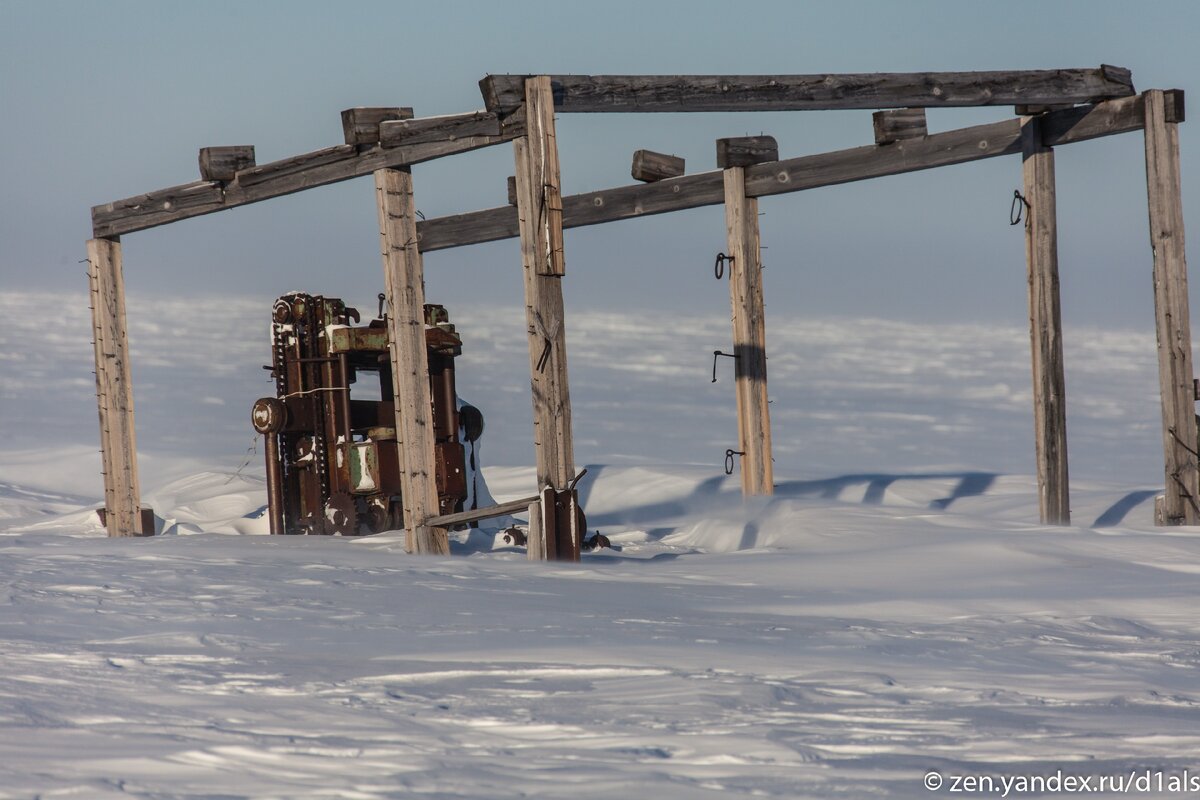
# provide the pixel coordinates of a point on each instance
(894, 609)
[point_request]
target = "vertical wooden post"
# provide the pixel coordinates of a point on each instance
(1179, 506)
(1045, 326)
(539, 209)
(749, 335)
(404, 285)
(114, 389)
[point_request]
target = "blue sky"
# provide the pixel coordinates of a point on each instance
(106, 100)
(113, 99)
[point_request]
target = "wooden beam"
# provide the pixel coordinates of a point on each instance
(540, 215)
(1045, 326)
(654, 93)
(114, 390)
(404, 286)
(477, 514)
(796, 174)
(265, 181)
(1163, 185)
(746, 151)
(222, 163)
(361, 125)
(749, 335)
(511, 186)
(438, 129)
(901, 123)
(649, 166)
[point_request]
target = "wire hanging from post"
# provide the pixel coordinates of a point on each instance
(729, 454)
(719, 265)
(719, 353)
(1019, 206)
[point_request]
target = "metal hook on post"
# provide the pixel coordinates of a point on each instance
(729, 454)
(719, 266)
(1019, 206)
(719, 353)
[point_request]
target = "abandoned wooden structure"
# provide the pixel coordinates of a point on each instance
(1054, 107)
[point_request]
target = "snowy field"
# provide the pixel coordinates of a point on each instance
(894, 610)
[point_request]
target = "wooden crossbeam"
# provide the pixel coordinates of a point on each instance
(807, 172)
(265, 181)
(477, 514)
(438, 129)
(654, 93)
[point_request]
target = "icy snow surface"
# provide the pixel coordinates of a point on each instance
(869, 623)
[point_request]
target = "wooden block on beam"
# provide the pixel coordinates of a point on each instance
(1174, 108)
(361, 125)
(745, 151)
(650, 166)
(222, 163)
(512, 190)
(901, 123)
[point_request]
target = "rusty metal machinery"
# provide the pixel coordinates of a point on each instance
(333, 464)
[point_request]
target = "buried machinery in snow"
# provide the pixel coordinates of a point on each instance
(333, 463)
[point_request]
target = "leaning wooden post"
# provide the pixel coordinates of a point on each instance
(114, 389)
(749, 319)
(1179, 505)
(1045, 325)
(404, 285)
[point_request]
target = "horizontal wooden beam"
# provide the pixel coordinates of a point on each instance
(797, 174)
(262, 182)
(477, 514)
(655, 93)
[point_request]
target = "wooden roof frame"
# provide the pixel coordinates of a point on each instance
(1057, 106)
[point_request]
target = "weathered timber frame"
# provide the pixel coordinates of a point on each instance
(387, 142)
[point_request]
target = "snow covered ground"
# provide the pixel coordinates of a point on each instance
(895, 609)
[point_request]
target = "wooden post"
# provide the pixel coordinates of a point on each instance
(749, 335)
(1045, 326)
(404, 284)
(535, 542)
(114, 389)
(1179, 506)
(539, 210)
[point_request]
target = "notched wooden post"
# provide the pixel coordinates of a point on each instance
(749, 319)
(1172, 314)
(404, 285)
(539, 210)
(114, 390)
(1045, 325)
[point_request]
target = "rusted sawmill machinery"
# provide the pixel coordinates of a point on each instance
(333, 464)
